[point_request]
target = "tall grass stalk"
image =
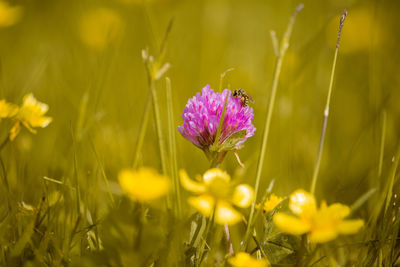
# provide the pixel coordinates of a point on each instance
(326, 110)
(142, 131)
(154, 70)
(279, 59)
(172, 148)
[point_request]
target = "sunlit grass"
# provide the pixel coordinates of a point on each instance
(102, 164)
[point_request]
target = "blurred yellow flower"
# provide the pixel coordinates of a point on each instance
(30, 114)
(217, 190)
(7, 110)
(101, 27)
(271, 202)
(243, 259)
(321, 225)
(9, 15)
(146, 184)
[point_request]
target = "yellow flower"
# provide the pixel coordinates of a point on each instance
(271, 202)
(9, 15)
(146, 184)
(7, 110)
(321, 225)
(217, 190)
(30, 114)
(101, 27)
(243, 259)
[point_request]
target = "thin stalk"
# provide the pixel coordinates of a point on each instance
(326, 111)
(382, 144)
(221, 79)
(157, 117)
(142, 132)
(172, 148)
(210, 223)
(283, 48)
(5, 142)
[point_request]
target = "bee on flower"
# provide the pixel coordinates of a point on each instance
(321, 225)
(215, 190)
(143, 185)
(201, 118)
(31, 115)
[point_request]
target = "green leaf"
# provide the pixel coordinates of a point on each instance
(232, 140)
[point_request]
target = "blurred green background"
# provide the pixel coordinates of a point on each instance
(83, 58)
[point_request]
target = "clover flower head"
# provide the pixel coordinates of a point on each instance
(201, 118)
(143, 185)
(322, 225)
(216, 190)
(31, 115)
(243, 259)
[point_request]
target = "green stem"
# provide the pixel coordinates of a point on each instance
(5, 142)
(157, 117)
(263, 148)
(172, 148)
(326, 111)
(142, 132)
(210, 223)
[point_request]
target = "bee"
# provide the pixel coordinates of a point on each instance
(244, 97)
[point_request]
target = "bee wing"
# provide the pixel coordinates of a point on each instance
(250, 98)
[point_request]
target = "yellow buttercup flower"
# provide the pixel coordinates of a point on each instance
(100, 27)
(9, 15)
(321, 225)
(243, 259)
(146, 184)
(271, 202)
(217, 190)
(7, 110)
(31, 115)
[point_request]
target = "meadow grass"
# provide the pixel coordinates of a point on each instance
(104, 177)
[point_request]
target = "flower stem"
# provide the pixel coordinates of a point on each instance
(210, 223)
(283, 48)
(157, 117)
(142, 132)
(326, 111)
(172, 149)
(5, 142)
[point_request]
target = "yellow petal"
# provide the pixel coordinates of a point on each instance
(9, 15)
(30, 101)
(15, 130)
(243, 259)
(204, 204)
(243, 196)
(226, 214)
(7, 110)
(302, 203)
(322, 235)
(272, 202)
(338, 211)
(350, 226)
(215, 173)
(189, 184)
(143, 185)
(290, 224)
